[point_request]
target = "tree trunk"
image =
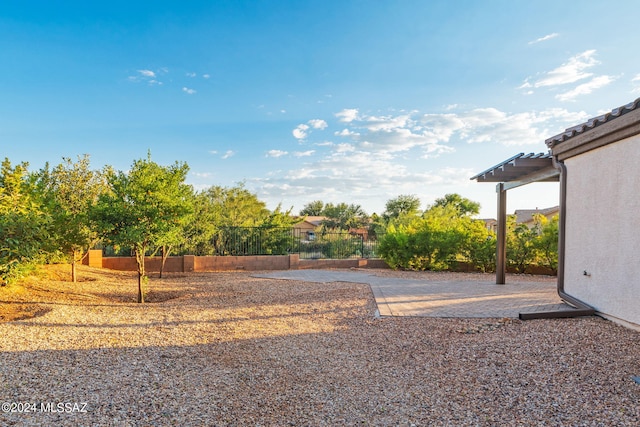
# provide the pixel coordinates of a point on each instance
(141, 273)
(74, 273)
(140, 293)
(74, 277)
(165, 254)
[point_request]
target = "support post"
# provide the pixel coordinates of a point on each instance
(501, 246)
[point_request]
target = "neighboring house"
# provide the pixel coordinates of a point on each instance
(490, 224)
(307, 228)
(526, 216)
(600, 187)
(523, 216)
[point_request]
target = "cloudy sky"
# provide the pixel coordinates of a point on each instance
(339, 101)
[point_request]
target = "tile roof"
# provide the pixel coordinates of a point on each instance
(592, 123)
(526, 215)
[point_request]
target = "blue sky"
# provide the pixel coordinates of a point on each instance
(339, 101)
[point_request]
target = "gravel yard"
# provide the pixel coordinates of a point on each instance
(217, 349)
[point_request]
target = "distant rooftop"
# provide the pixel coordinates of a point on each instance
(526, 215)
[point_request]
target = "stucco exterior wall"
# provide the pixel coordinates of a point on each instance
(603, 229)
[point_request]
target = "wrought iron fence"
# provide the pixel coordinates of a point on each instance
(243, 241)
(281, 241)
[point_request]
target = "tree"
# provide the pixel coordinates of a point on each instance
(480, 245)
(71, 189)
(463, 206)
(442, 236)
(430, 242)
(24, 225)
(403, 205)
(343, 216)
(521, 249)
(314, 208)
(221, 212)
(143, 207)
(547, 240)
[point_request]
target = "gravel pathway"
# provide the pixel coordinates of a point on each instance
(228, 349)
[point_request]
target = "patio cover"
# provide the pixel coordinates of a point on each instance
(514, 172)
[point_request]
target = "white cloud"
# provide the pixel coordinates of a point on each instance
(571, 71)
(276, 153)
(585, 88)
(147, 73)
(545, 38)
(191, 74)
(317, 124)
(344, 148)
(349, 172)
(346, 132)
(148, 76)
(434, 134)
(387, 123)
(304, 153)
(188, 91)
(205, 76)
(383, 155)
(347, 115)
(300, 132)
(492, 125)
(227, 154)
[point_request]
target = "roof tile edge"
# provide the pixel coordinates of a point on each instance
(592, 123)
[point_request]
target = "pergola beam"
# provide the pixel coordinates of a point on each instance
(548, 174)
(514, 172)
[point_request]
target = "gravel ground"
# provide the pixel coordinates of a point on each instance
(227, 349)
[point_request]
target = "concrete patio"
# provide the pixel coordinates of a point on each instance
(442, 298)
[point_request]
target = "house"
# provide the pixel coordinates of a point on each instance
(596, 165)
(526, 216)
(307, 227)
(599, 199)
(490, 224)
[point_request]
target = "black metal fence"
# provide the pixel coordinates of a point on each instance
(241, 241)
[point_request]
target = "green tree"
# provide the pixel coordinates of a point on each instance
(314, 208)
(430, 242)
(480, 246)
(521, 244)
(344, 217)
(403, 205)
(444, 235)
(547, 240)
(71, 189)
(143, 207)
(24, 225)
(463, 206)
(223, 212)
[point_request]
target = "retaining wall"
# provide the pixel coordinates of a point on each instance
(187, 263)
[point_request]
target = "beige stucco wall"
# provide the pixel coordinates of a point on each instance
(603, 229)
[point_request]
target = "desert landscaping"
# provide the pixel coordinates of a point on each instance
(226, 348)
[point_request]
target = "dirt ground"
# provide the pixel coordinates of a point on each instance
(230, 349)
